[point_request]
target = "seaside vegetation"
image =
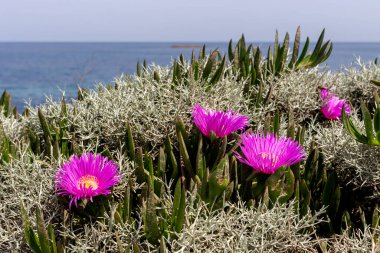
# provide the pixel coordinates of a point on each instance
(179, 188)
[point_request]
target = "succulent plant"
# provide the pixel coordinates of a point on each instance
(44, 240)
(7, 149)
(54, 141)
(206, 166)
(247, 62)
(372, 126)
(189, 168)
(6, 105)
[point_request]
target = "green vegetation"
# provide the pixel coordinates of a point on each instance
(182, 191)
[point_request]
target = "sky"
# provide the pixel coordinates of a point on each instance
(187, 20)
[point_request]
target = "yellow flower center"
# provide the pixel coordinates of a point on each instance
(274, 158)
(87, 182)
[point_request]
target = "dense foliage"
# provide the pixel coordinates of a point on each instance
(183, 191)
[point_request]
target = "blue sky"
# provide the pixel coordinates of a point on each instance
(186, 20)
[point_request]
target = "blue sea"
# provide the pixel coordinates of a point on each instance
(32, 70)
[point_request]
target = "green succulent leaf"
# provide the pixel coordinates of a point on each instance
(171, 157)
(185, 155)
(280, 185)
(7, 104)
(156, 76)
(376, 120)
(161, 168)
(265, 198)
(53, 243)
(301, 58)
(152, 230)
(275, 48)
(138, 69)
(258, 184)
(42, 232)
(202, 53)
(230, 51)
(200, 158)
(127, 203)
(296, 47)
(270, 60)
(163, 248)
(291, 124)
(375, 82)
(221, 150)
(326, 54)
(329, 189)
(288, 181)
(351, 128)
(375, 219)
(218, 73)
(209, 65)
(346, 220)
(139, 167)
(130, 142)
(311, 165)
(317, 47)
(47, 133)
(136, 248)
(219, 180)
(276, 123)
(306, 198)
(367, 123)
(179, 205)
(181, 128)
(257, 64)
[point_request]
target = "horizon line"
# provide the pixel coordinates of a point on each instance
(168, 41)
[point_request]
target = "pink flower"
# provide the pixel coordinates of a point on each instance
(332, 105)
(86, 177)
(268, 153)
(219, 122)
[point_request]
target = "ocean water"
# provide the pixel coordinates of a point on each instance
(32, 70)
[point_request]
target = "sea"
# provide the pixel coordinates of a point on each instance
(31, 71)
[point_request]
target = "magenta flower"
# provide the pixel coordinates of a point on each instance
(219, 122)
(268, 153)
(86, 177)
(332, 105)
